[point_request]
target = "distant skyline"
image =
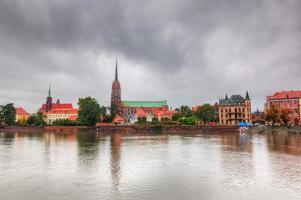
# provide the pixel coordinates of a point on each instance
(187, 52)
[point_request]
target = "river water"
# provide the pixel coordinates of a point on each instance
(91, 165)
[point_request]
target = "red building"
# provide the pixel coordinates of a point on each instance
(55, 111)
(290, 100)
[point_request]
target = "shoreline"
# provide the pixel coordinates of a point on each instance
(140, 129)
(196, 129)
(272, 130)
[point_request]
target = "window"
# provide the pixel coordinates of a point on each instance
(296, 102)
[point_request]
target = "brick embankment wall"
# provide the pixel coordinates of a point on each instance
(168, 129)
(23, 129)
(56, 129)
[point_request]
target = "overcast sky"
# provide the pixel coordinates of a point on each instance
(187, 52)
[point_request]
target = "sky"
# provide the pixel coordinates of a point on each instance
(186, 52)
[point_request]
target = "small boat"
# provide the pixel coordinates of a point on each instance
(244, 126)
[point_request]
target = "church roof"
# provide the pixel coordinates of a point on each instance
(147, 104)
(233, 100)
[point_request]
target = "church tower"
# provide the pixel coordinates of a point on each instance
(116, 94)
(49, 100)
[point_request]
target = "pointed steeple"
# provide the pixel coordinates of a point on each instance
(49, 91)
(116, 71)
(226, 96)
(247, 95)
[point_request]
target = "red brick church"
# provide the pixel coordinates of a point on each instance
(129, 111)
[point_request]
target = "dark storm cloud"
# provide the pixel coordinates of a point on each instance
(187, 51)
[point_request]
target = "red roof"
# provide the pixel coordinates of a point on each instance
(285, 95)
(58, 106)
(73, 117)
(63, 111)
(118, 118)
(21, 111)
(140, 113)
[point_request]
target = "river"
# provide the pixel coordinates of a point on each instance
(90, 165)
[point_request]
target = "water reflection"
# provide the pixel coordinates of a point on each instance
(6, 138)
(284, 143)
(115, 158)
(88, 149)
(89, 165)
(236, 142)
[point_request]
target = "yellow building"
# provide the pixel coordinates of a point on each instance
(21, 114)
(234, 110)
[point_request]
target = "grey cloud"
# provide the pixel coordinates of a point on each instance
(192, 51)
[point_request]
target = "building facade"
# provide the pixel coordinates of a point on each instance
(21, 114)
(289, 100)
(58, 110)
(235, 110)
(131, 110)
(116, 105)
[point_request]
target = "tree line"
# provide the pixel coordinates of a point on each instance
(274, 115)
(90, 112)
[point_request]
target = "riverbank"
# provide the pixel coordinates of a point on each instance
(37, 129)
(168, 129)
(268, 130)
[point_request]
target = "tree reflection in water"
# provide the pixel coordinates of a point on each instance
(88, 149)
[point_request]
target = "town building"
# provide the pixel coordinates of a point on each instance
(131, 110)
(289, 100)
(258, 117)
(235, 110)
(21, 114)
(58, 110)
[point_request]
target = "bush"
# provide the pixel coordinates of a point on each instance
(37, 119)
(66, 122)
(155, 120)
(141, 120)
(22, 122)
(108, 119)
(187, 120)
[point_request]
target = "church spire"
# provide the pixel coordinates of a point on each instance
(247, 95)
(49, 91)
(116, 71)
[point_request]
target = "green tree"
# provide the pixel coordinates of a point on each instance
(206, 113)
(155, 120)
(103, 111)
(22, 122)
(113, 111)
(187, 120)
(37, 119)
(141, 120)
(8, 114)
(66, 122)
(272, 115)
(183, 111)
(89, 111)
